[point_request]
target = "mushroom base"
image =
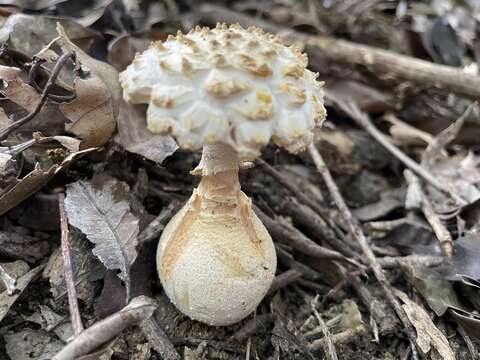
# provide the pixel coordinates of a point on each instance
(215, 258)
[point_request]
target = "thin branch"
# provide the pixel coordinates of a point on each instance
(156, 226)
(139, 309)
(440, 230)
(320, 210)
(382, 62)
(75, 318)
(363, 120)
(330, 351)
(158, 339)
(284, 279)
(358, 234)
(62, 60)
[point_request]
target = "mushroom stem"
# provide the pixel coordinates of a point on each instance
(217, 158)
(215, 258)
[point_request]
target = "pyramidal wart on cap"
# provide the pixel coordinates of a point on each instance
(228, 91)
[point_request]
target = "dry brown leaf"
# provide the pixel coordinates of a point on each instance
(100, 209)
(134, 136)
(94, 111)
(122, 50)
(29, 34)
(16, 90)
(34, 181)
(429, 337)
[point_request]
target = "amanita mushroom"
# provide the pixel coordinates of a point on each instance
(229, 91)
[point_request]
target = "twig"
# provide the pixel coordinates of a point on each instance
(470, 345)
(159, 340)
(363, 120)
(285, 258)
(305, 216)
(252, 326)
(340, 338)
(288, 234)
(320, 210)
(380, 61)
(330, 351)
(139, 309)
(62, 60)
(391, 262)
(156, 226)
(75, 318)
(358, 234)
(34, 69)
(284, 279)
(439, 229)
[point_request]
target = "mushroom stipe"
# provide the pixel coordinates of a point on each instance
(229, 91)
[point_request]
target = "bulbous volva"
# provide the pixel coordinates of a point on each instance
(215, 258)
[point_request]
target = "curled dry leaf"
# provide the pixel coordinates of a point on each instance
(16, 89)
(94, 111)
(29, 34)
(34, 181)
(100, 209)
(429, 337)
(134, 136)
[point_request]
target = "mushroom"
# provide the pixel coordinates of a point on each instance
(228, 90)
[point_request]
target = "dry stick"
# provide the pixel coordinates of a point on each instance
(380, 61)
(330, 351)
(139, 309)
(439, 229)
(363, 120)
(159, 340)
(284, 279)
(323, 212)
(67, 267)
(394, 262)
(62, 60)
(156, 226)
(288, 234)
(358, 234)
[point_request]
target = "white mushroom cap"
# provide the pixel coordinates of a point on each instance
(230, 85)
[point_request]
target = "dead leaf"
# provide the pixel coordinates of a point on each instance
(465, 258)
(6, 300)
(469, 321)
(100, 209)
(21, 246)
(9, 274)
(32, 345)
(85, 267)
(34, 181)
(29, 34)
(435, 289)
(94, 111)
(16, 89)
(122, 50)
(134, 136)
(429, 337)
